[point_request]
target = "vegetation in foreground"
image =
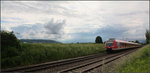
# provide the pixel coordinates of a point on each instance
(32, 53)
(14, 53)
(136, 62)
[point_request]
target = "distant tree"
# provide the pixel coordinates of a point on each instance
(10, 45)
(147, 35)
(137, 41)
(129, 41)
(133, 41)
(98, 39)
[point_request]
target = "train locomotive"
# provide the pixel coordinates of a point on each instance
(113, 44)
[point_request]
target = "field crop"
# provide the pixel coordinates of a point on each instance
(33, 53)
(136, 62)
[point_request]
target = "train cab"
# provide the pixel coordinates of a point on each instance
(110, 44)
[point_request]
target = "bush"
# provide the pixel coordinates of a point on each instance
(33, 53)
(147, 35)
(135, 62)
(9, 52)
(10, 45)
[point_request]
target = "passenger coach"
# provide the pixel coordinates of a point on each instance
(114, 44)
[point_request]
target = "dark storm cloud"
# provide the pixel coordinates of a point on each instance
(54, 27)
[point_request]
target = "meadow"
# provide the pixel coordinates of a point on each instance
(33, 53)
(139, 61)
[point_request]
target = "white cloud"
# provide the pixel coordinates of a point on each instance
(80, 16)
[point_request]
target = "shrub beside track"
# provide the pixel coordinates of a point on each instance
(136, 62)
(37, 53)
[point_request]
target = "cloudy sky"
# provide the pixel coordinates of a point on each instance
(76, 21)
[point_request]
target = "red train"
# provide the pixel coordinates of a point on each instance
(114, 44)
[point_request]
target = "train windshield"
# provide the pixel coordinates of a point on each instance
(109, 44)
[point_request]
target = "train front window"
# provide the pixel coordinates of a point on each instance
(109, 44)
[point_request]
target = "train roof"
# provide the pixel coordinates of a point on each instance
(123, 41)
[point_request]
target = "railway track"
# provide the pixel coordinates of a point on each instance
(53, 64)
(80, 64)
(87, 67)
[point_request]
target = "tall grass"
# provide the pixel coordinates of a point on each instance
(136, 62)
(42, 52)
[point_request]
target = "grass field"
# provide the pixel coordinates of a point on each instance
(33, 53)
(136, 62)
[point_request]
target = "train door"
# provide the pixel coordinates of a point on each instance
(118, 44)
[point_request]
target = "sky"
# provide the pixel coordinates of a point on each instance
(76, 21)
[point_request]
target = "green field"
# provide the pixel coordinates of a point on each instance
(33, 53)
(136, 62)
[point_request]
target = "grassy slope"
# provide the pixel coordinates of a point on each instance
(37, 53)
(137, 62)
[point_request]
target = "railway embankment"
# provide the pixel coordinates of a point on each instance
(80, 64)
(137, 61)
(35, 53)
